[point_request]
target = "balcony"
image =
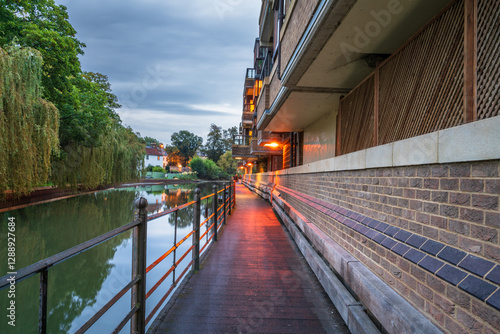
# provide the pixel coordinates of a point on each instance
(267, 137)
(247, 118)
(257, 150)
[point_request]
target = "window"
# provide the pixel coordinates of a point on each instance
(158, 157)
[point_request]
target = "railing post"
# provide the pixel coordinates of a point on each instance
(196, 228)
(138, 321)
(214, 210)
(224, 197)
(234, 193)
(42, 311)
(230, 197)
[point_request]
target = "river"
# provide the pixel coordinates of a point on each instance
(80, 286)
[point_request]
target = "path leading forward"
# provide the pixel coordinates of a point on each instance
(254, 280)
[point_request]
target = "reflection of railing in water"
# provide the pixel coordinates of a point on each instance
(137, 314)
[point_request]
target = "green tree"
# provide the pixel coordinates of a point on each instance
(216, 144)
(186, 143)
(44, 26)
(205, 168)
(229, 137)
(28, 124)
(227, 164)
(150, 140)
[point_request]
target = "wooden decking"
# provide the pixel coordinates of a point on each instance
(254, 280)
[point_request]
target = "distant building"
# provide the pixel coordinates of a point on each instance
(155, 156)
(378, 123)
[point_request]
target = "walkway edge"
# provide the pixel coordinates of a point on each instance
(350, 310)
(394, 313)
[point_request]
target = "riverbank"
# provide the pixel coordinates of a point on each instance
(49, 194)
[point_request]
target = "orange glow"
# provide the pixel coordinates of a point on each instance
(249, 164)
(273, 145)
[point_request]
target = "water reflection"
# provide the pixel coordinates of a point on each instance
(81, 285)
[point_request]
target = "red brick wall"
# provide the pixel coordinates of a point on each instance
(453, 205)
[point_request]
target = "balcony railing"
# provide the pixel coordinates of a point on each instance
(250, 73)
(247, 117)
(267, 66)
(241, 140)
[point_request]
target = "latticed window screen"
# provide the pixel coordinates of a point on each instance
(488, 58)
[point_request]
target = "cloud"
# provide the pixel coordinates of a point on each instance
(174, 65)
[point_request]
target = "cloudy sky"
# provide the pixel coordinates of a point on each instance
(174, 64)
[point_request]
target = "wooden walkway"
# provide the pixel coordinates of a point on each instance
(254, 280)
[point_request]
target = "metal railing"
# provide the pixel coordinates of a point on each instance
(242, 140)
(137, 314)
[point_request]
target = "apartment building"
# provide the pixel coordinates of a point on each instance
(374, 126)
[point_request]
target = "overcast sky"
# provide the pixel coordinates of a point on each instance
(174, 64)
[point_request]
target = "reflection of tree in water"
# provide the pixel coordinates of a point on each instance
(178, 197)
(73, 284)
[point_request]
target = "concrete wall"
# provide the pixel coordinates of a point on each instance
(420, 215)
(319, 138)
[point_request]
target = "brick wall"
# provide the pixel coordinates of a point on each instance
(430, 232)
(299, 19)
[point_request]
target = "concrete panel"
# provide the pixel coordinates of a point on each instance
(393, 312)
(416, 151)
(357, 319)
(379, 156)
(356, 160)
(471, 142)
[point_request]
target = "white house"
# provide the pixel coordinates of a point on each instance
(155, 156)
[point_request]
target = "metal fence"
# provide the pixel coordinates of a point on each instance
(222, 203)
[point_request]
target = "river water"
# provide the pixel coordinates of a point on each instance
(80, 286)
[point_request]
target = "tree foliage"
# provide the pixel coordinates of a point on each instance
(218, 141)
(28, 124)
(206, 169)
(80, 117)
(186, 143)
(227, 164)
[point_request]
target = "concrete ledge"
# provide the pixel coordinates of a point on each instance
(393, 312)
(476, 141)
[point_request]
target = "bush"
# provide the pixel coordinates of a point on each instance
(159, 169)
(206, 169)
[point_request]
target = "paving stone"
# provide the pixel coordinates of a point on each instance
(400, 248)
(379, 238)
(494, 275)
(392, 230)
(451, 274)
(494, 300)
(476, 265)
(382, 227)
(452, 255)
(403, 235)
(388, 243)
(414, 255)
(432, 247)
(477, 287)
(416, 240)
(431, 264)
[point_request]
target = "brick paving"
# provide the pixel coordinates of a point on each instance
(254, 280)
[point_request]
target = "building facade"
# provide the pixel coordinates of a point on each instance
(386, 116)
(155, 156)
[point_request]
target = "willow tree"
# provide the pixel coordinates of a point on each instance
(28, 124)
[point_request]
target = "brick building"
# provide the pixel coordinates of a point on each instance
(385, 121)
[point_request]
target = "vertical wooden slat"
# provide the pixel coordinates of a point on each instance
(376, 85)
(337, 141)
(488, 58)
(470, 60)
